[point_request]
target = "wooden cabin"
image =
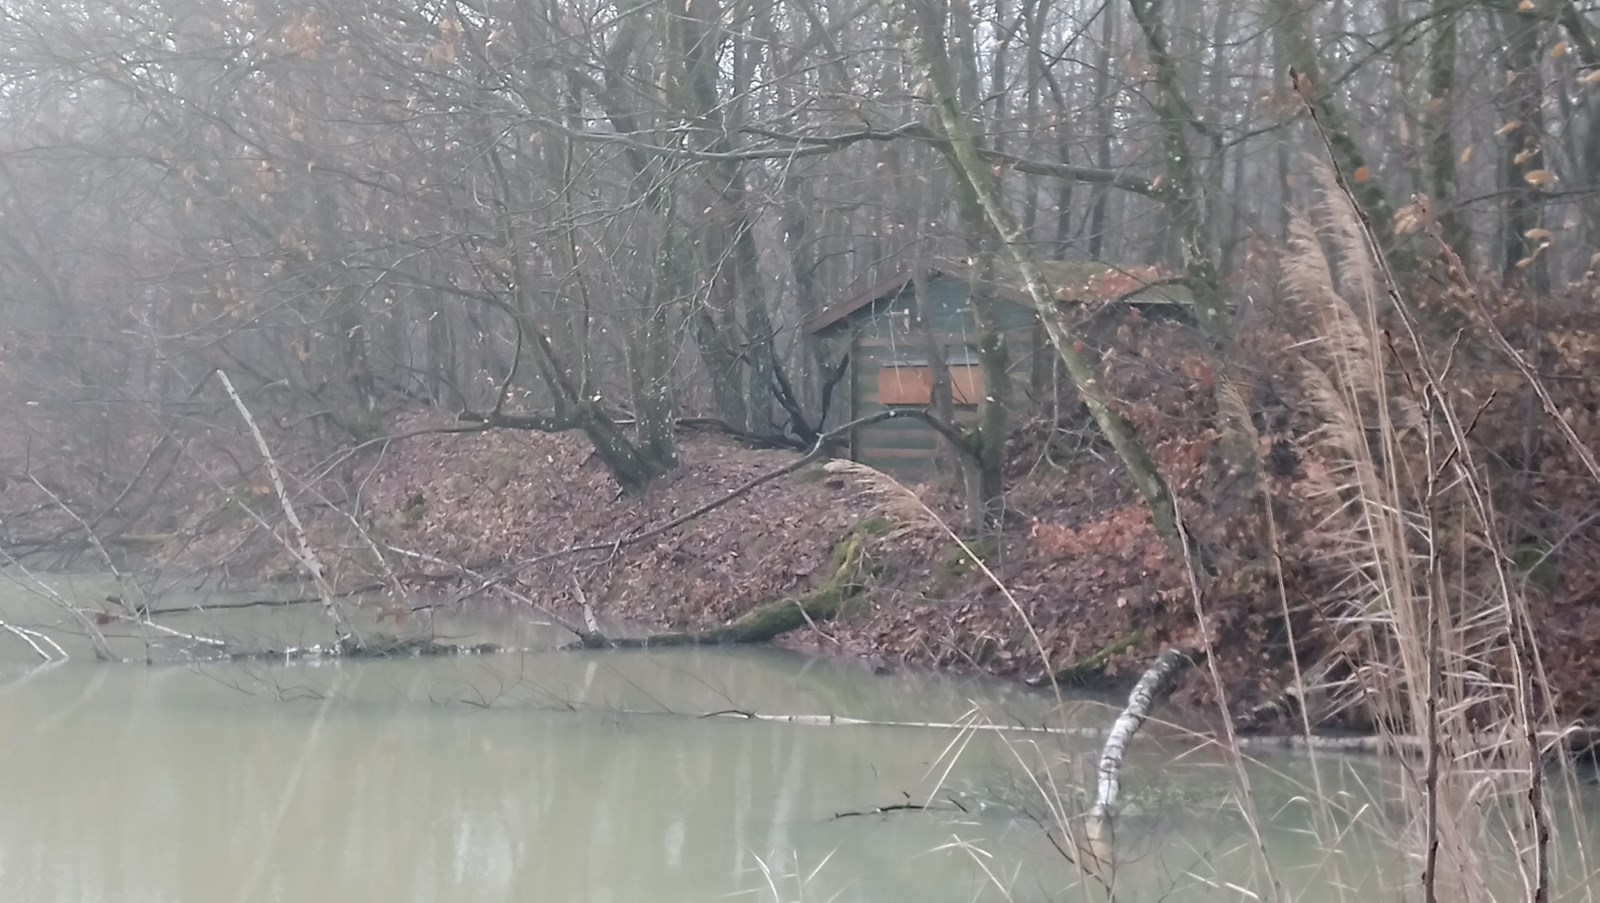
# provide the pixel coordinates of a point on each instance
(890, 337)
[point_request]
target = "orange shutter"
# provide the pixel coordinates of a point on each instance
(913, 385)
(966, 384)
(905, 385)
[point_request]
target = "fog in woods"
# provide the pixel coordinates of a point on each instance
(478, 450)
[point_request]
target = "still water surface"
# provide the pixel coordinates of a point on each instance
(562, 776)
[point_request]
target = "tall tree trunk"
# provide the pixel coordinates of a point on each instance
(652, 344)
(1221, 210)
(753, 342)
(986, 441)
(441, 369)
(1104, 132)
(1186, 194)
(1582, 38)
(1522, 158)
(1302, 56)
(1439, 126)
(921, 34)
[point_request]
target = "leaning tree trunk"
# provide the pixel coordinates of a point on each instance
(1152, 686)
(845, 583)
(921, 34)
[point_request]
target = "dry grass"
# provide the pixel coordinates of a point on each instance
(1429, 630)
(1434, 633)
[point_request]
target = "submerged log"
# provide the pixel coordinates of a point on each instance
(370, 648)
(766, 622)
(1152, 686)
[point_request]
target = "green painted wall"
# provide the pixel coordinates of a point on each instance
(886, 333)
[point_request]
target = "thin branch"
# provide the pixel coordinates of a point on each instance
(304, 551)
(140, 611)
(813, 144)
(534, 422)
(37, 642)
(97, 639)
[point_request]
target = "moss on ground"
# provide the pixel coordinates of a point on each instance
(848, 572)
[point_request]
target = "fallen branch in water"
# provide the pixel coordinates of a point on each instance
(97, 640)
(302, 549)
(1089, 668)
(901, 807)
(1146, 693)
(374, 647)
(846, 721)
(38, 642)
(140, 608)
(1574, 739)
(485, 582)
(759, 625)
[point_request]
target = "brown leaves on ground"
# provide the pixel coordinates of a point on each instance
(513, 498)
(516, 497)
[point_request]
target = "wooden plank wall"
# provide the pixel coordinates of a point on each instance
(910, 450)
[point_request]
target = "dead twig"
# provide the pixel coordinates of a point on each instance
(303, 550)
(139, 608)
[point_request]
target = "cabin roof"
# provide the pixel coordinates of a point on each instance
(1073, 282)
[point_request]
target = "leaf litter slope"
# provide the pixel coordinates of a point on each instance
(519, 497)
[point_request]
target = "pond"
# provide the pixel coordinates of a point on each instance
(591, 776)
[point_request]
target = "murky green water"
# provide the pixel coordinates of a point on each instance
(588, 777)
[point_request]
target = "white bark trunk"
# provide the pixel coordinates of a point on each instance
(1144, 697)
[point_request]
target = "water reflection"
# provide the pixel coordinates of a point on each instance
(586, 777)
(188, 784)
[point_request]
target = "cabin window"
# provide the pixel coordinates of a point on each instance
(911, 382)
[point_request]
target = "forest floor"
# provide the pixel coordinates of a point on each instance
(1080, 581)
(520, 497)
